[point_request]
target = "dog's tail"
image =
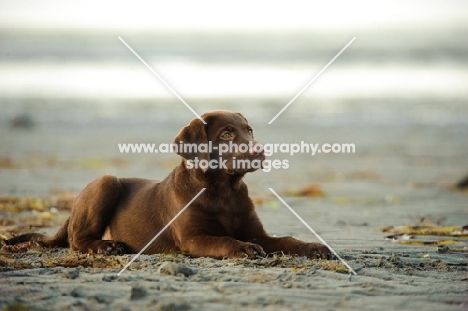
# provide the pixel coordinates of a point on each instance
(60, 239)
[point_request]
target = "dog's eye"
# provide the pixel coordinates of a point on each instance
(226, 135)
(251, 132)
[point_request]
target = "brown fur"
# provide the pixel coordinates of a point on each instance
(221, 222)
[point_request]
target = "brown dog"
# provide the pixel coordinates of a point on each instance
(116, 215)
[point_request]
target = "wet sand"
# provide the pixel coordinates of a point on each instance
(408, 155)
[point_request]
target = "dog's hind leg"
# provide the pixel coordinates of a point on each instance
(92, 211)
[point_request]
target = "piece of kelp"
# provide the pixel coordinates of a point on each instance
(455, 231)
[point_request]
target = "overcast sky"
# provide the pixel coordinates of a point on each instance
(238, 15)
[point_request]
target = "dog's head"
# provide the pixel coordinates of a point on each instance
(225, 142)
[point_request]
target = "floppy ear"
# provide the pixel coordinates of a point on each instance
(240, 114)
(189, 139)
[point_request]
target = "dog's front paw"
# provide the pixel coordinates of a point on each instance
(250, 250)
(318, 251)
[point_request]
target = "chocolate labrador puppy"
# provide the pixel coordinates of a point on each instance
(121, 215)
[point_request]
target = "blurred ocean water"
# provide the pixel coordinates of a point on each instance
(391, 75)
(397, 63)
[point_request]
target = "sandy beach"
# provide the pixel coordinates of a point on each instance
(401, 174)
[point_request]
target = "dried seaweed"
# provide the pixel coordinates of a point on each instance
(309, 190)
(429, 230)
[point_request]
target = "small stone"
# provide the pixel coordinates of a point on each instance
(109, 277)
(287, 285)
(78, 292)
(137, 292)
(171, 268)
(71, 273)
(442, 249)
